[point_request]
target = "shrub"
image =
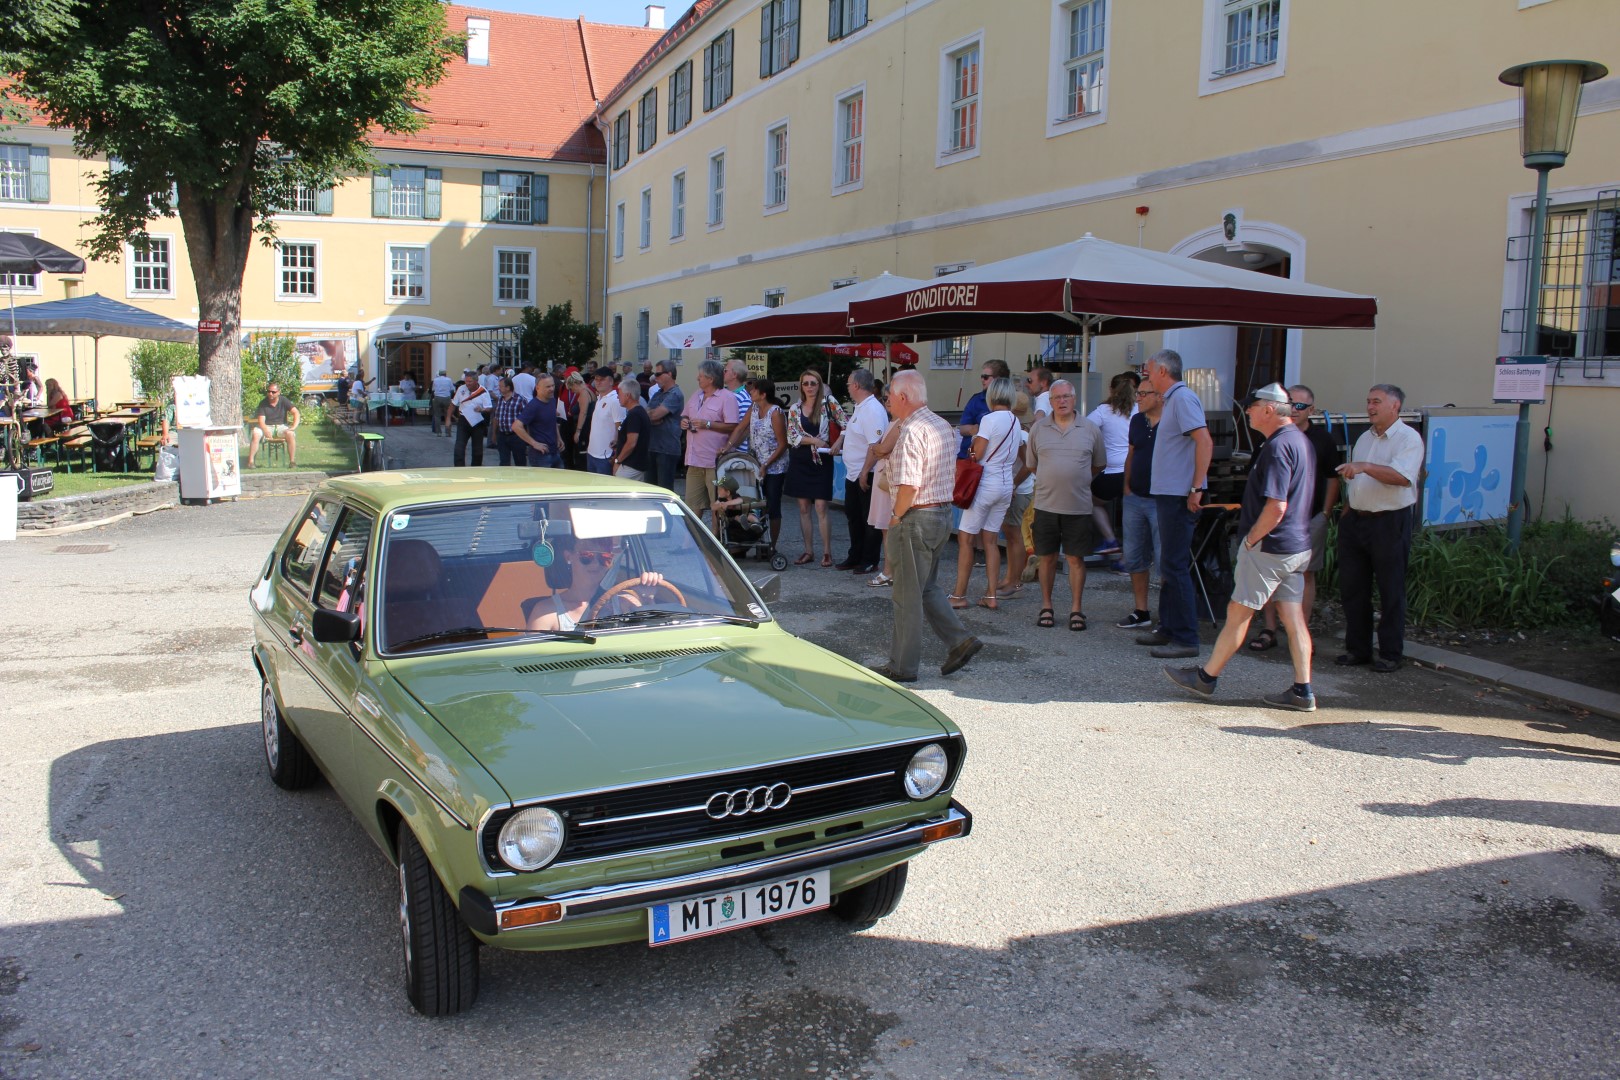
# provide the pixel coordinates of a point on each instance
(153, 364)
(271, 358)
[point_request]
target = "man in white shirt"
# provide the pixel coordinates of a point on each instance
(471, 402)
(867, 423)
(1039, 385)
(523, 382)
(1375, 531)
(443, 390)
(607, 416)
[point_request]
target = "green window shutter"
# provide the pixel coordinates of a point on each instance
(793, 30)
(541, 198)
(323, 201)
(431, 193)
(765, 38)
(835, 22)
(381, 186)
(492, 196)
(39, 174)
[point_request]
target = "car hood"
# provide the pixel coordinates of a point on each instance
(544, 725)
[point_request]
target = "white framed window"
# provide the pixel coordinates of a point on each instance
(1245, 42)
(776, 168)
(849, 140)
(677, 205)
(717, 72)
(647, 121)
(961, 72)
(1077, 88)
(514, 276)
(407, 193)
(844, 17)
(618, 231)
(517, 198)
(712, 306)
(25, 284)
(407, 273)
(1578, 310)
(25, 174)
(403, 192)
(717, 190)
(677, 315)
(643, 333)
(775, 297)
(298, 270)
(952, 352)
(778, 36)
(150, 266)
(646, 218)
(680, 97)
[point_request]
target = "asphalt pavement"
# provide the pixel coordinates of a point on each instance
(1422, 879)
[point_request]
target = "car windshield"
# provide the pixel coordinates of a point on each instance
(466, 573)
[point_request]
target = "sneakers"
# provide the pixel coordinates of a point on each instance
(1135, 621)
(1188, 679)
(880, 581)
(1107, 547)
(1292, 699)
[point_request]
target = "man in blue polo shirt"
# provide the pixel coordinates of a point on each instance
(536, 425)
(976, 406)
(1182, 450)
(1275, 527)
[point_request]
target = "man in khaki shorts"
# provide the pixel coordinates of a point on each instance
(1275, 551)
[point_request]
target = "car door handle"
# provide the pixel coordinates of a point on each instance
(296, 630)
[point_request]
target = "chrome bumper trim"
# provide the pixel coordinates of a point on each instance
(610, 899)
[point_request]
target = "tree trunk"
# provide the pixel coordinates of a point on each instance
(219, 234)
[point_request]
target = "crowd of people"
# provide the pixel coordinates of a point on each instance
(1127, 482)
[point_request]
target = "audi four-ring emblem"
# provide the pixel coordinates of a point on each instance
(745, 801)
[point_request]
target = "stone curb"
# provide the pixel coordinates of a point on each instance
(1558, 691)
(75, 513)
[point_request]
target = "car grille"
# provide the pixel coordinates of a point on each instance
(672, 812)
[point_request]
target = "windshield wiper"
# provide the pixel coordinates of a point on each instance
(651, 614)
(486, 631)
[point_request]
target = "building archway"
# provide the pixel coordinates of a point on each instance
(1244, 358)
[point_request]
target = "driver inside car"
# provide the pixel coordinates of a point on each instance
(576, 576)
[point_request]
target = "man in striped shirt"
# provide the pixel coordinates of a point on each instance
(922, 476)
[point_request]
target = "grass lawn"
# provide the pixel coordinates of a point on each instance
(322, 447)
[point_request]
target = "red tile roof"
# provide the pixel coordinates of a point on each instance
(683, 28)
(535, 98)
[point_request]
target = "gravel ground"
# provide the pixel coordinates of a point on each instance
(1422, 879)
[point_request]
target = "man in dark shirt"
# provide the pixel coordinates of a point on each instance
(977, 406)
(1138, 512)
(508, 406)
(1276, 548)
(536, 425)
(277, 418)
(630, 452)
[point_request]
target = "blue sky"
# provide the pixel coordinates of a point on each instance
(625, 12)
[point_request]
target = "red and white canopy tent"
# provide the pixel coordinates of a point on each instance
(1090, 286)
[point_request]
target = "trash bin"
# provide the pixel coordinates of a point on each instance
(368, 451)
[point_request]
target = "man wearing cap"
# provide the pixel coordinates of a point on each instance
(439, 414)
(607, 414)
(1275, 527)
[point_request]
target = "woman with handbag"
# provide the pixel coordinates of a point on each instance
(995, 452)
(813, 425)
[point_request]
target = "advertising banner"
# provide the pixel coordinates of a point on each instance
(325, 355)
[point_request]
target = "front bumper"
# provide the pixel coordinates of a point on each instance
(489, 917)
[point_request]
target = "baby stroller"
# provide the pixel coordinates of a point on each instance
(743, 528)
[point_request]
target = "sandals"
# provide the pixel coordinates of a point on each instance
(826, 561)
(1003, 589)
(804, 559)
(989, 602)
(957, 602)
(1047, 617)
(1264, 641)
(1077, 620)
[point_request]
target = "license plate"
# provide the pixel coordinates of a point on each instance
(715, 914)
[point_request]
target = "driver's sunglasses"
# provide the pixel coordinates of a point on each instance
(588, 558)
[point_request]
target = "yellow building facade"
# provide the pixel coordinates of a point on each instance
(769, 151)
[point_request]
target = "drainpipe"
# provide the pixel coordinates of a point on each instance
(607, 218)
(590, 217)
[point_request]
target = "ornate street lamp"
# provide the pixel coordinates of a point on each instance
(1550, 96)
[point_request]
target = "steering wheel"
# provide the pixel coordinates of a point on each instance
(626, 586)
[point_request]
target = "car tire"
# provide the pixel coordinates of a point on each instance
(865, 904)
(441, 954)
(289, 763)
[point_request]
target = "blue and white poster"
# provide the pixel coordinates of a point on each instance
(1469, 465)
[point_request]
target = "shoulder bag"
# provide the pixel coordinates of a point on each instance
(968, 475)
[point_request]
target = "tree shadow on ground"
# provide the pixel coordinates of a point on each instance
(1581, 817)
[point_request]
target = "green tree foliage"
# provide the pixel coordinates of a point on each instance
(153, 364)
(786, 365)
(271, 358)
(557, 337)
(217, 109)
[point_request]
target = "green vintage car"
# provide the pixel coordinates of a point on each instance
(568, 718)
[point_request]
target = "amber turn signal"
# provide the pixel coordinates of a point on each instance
(516, 918)
(943, 831)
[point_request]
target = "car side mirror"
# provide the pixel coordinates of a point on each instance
(334, 627)
(769, 588)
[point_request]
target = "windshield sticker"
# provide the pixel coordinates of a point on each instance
(401, 522)
(757, 611)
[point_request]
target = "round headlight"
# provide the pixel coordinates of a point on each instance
(530, 838)
(925, 775)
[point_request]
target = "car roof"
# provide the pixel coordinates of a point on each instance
(386, 491)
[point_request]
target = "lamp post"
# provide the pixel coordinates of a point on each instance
(1550, 96)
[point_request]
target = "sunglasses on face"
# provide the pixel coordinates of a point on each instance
(589, 558)
(984, 378)
(1301, 406)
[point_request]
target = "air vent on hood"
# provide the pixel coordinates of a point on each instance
(615, 660)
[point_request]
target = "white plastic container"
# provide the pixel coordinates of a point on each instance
(10, 488)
